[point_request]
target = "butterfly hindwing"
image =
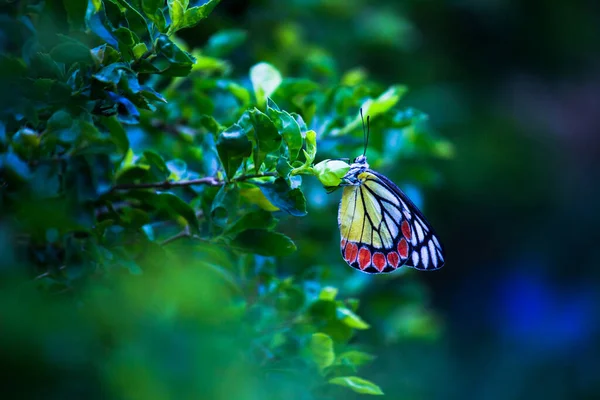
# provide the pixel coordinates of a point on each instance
(426, 252)
(381, 228)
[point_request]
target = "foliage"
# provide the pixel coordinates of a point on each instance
(144, 206)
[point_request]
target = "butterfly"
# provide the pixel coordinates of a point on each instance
(381, 229)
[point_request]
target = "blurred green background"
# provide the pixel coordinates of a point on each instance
(514, 87)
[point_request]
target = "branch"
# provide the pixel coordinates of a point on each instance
(183, 234)
(211, 181)
(167, 185)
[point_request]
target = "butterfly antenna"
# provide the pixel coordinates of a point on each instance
(365, 131)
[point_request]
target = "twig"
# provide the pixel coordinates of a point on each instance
(182, 234)
(211, 181)
(167, 184)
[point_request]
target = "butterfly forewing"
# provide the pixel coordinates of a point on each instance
(381, 229)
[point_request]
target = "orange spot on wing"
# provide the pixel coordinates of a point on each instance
(364, 258)
(379, 261)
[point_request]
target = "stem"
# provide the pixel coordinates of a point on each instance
(183, 234)
(211, 181)
(167, 185)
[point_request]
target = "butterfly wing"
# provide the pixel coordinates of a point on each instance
(381, 229)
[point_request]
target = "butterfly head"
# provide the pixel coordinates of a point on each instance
(359, 166)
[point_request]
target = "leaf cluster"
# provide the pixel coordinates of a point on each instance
(125, 156)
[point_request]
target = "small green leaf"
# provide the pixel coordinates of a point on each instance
(321, 350)
(350, 319)
(126, 37)
(357, 384)
(176, 12)
(179, 61)
(356, 358)
(384, 102)
(282, 196)
(265, 80)
(258, 219)
(233, 146)
(139, 50)
(311, 146)
(328, 293)
(263, 134)
(196, 14)
(287, 127)
(264, 243)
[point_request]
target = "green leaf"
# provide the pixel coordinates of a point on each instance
(176, 12)
(328, 293)
(356, 358)
(240, 92)
(282, 196)
(233, 146)
(179, 62)
(254, 195)
(263, 134)
(139, 50)
(154, 12)
(384, 102)
(352, 320)
(309, 155)
(177, 207)
(157, 164)
(117, 134)
(71, 51)
(321, 350)
(265, 80)
(150, 6)
(311, 146)
(264, 243)
(375, 107)
(105, 55)
(196, 14)
(287, 127)
(357, 384)
(134, 217)
(224, 204)
(258, 219)
(112, 73)
(126, 37)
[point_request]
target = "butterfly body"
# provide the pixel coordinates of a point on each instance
(381, 229)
